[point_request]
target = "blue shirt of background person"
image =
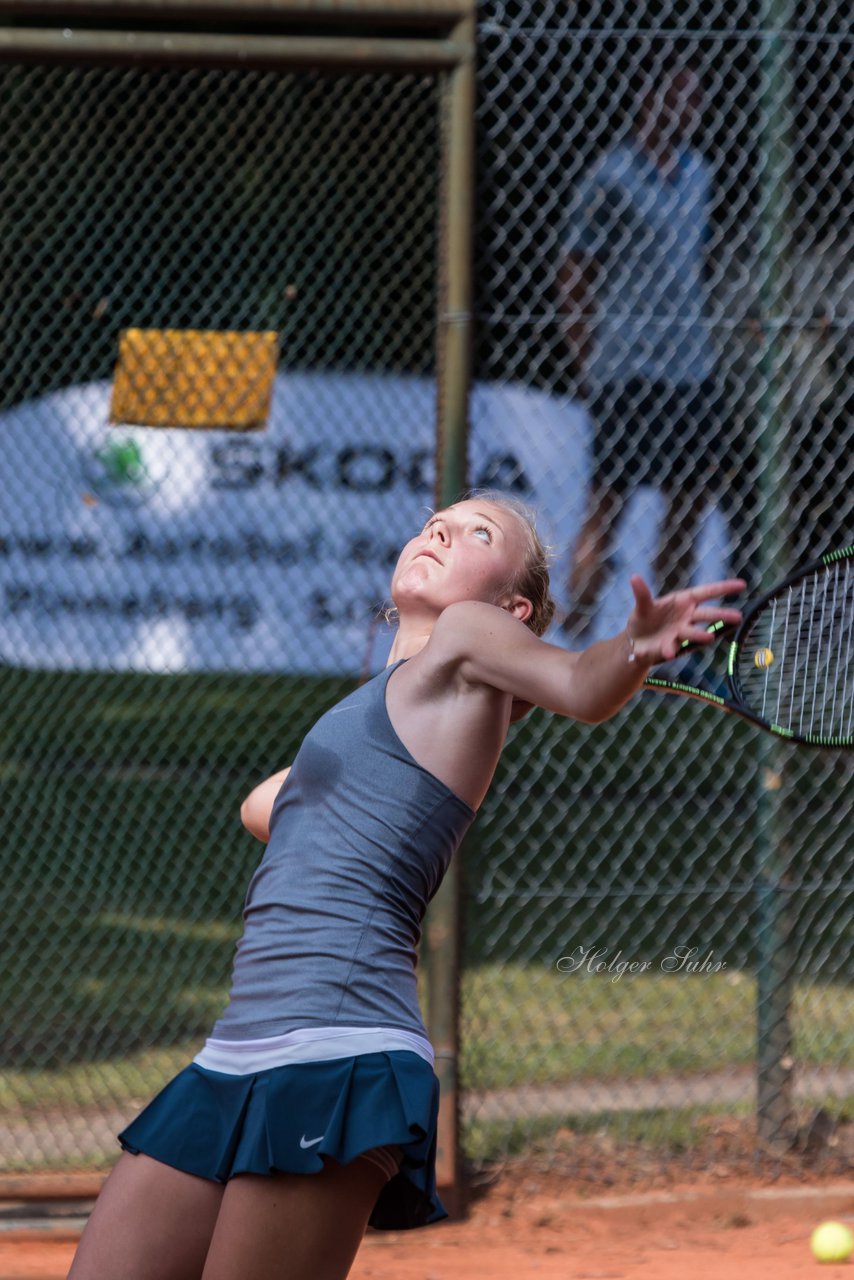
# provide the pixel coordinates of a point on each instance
(649, 234)
(634, 297)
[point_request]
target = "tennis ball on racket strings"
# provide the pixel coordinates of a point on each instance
(832, 1242)
(763, 657)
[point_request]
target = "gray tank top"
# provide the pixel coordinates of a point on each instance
(361, 836)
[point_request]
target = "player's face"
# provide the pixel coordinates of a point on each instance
(469, 551)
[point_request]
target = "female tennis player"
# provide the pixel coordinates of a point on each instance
(310, 1113)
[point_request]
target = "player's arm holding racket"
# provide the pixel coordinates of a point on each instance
(496, 649)
(256, 808)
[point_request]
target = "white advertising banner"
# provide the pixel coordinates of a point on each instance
(167, 550)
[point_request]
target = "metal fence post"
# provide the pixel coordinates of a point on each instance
(774, 962)
(334, 167)
(454, 374)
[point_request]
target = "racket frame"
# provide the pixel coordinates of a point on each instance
(736, 704)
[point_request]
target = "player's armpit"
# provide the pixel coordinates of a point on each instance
(519, 710)
(256, 808)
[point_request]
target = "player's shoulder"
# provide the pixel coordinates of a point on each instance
(464, 625)
(471, 643)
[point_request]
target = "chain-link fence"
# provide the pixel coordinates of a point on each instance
(165, 589)
(659, 909)
(655, 907)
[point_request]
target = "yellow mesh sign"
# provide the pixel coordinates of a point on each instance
(194, 378)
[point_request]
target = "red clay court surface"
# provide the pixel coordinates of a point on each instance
(539, 1226)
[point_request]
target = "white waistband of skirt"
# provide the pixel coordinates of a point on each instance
(309, 1044)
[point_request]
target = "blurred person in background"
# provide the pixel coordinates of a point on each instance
(634, 295)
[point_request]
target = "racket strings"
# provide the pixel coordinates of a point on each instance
(794, 665)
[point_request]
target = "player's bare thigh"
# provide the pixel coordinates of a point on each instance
(299, 1226)
(150, 1222)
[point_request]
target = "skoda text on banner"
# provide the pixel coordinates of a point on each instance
(129, 549)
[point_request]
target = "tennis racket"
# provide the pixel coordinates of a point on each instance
(790, 662)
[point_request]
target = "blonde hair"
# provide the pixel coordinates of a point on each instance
(532, 579)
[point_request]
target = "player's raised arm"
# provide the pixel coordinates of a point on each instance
(495, 648)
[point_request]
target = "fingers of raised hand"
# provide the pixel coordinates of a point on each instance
(698, 634)
(708, 590)
(705, 614)
(642, 593)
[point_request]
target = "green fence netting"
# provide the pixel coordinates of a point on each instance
(659, 909)
(178, 606)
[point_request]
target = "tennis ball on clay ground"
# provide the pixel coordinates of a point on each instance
(832, 1242)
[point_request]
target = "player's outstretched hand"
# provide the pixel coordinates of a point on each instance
(658, 625)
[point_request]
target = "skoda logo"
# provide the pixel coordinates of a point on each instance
(118, 473)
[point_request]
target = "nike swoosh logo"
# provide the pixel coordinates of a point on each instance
(336, 711)
(305, 1144)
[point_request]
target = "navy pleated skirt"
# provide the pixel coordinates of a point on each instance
(215, 1125)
